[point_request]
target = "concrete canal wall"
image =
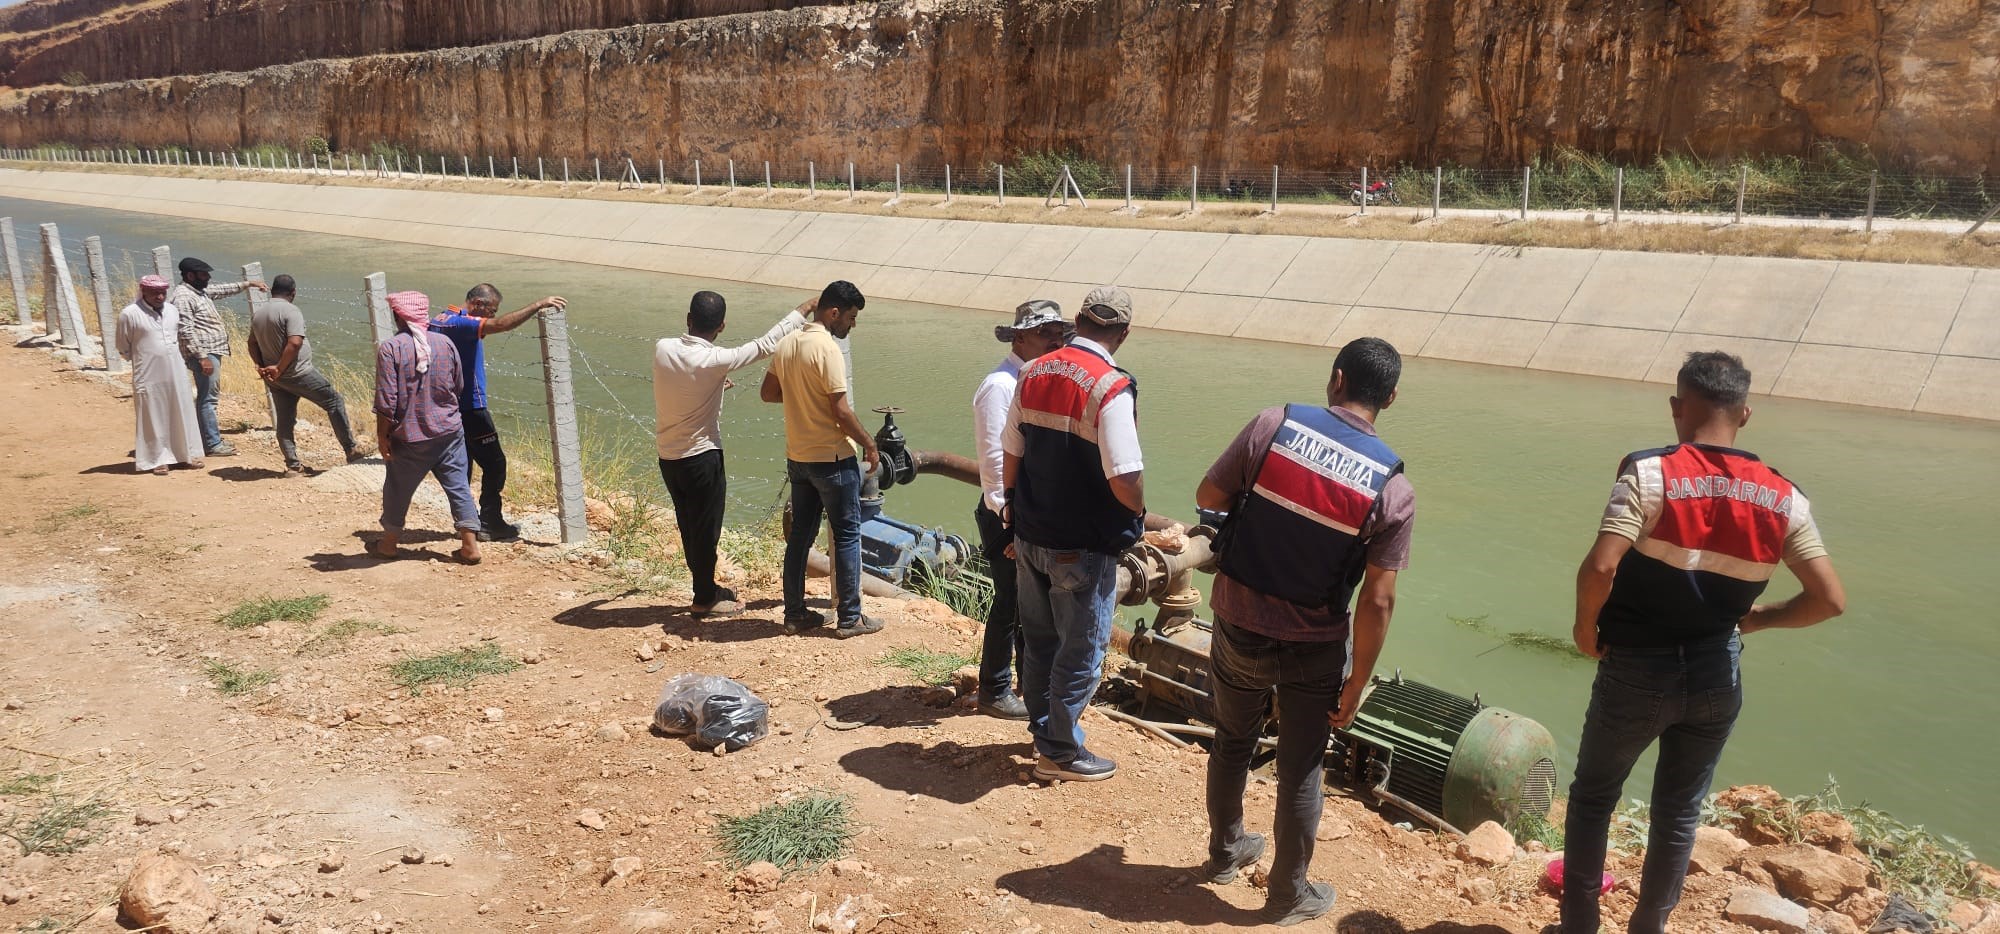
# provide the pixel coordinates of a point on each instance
(1915, 338)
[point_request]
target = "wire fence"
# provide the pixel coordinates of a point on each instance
(1830, 189)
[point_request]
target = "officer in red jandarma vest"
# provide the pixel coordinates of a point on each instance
(1692, 536)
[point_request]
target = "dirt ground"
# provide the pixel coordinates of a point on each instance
(304, 800)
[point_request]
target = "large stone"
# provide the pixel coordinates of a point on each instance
(1806, 872)
(1489, 844)
(758, 878)
(166, 894)
(1765, 911)
(1715, 850)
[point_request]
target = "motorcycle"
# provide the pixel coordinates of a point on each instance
(1378, 192)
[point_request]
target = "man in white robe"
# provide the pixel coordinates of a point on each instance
(148, 336)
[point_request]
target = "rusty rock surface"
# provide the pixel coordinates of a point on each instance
(1231, 85)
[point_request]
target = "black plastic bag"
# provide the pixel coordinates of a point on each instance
(714, 710)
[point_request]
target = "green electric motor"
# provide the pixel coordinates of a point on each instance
(1451, 761)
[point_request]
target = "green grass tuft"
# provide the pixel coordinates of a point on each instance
(232, 680)
(63, 825)
(458, 667)
(269, 609)
(804, 833)
(27, 783)
(969, 592)
(930, 667)
(333, 639)
(64, 518)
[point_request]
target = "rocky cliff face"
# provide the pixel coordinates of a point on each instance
(1230, 84)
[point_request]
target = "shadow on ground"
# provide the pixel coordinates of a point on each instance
(674, 620)
(1375, 922)
(947, 771)
(245, 474)
(1105, 882)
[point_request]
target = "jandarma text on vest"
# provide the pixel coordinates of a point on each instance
(1334, 460)
(1718, 486)
(1064, 368)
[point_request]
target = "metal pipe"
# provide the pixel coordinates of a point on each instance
(1156, 729)
(819, 565)
(961, 468)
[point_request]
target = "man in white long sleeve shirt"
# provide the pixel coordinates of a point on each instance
(1037, 329)
(689, 374)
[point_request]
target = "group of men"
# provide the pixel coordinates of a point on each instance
(1317, 521)
(430, 402)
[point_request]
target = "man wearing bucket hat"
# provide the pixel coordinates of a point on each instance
(204, 342)
(1038, 329)
(1075, 500)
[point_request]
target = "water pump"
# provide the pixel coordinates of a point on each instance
(895, 450)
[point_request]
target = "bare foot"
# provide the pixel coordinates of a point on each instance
(391, 553)
(160, 471)
(467, 557)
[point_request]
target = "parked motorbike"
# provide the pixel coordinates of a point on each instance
(1379, 191)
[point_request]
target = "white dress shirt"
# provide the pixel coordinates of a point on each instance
(688, 373)
(1117, 425)
(989, 419)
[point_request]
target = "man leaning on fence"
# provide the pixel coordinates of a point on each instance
(417, 376)
(689, 374)
(468, 328)
(204, 342)
(284, 361)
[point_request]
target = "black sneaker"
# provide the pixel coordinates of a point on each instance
(498, 530)
(1008, 706)
(1086, 767)
(225, 449)
(1316, 900)
(860, 627)
(1223, 872)
(801, 622)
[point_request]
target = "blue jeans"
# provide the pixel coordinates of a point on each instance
(1306, 677)
(441, 457)
(206, 388)
(833, 488)
(1065, 607)
(1685, 697)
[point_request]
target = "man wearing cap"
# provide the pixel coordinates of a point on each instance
(1075, 499)
(1038, 328)
(204, 342)
(467, 328)
(283, 356)
(149, 337)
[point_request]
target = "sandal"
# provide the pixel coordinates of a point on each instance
(462, 558)
(388, 556)
(161, 471)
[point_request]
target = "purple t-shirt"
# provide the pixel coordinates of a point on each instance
(1387, 534)
(422, 405)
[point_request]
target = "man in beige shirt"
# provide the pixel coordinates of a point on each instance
(808, 375)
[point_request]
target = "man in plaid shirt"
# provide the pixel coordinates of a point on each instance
(204, 342)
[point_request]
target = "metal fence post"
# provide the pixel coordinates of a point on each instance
(12, 249)
(767, 177)
(1527, 184)
(563, 442)
(375, 291)
(732, 176)
(1001, 198)
(663, 175)
(420, 165)
(565, 171)
(947, 183)
(812, 178)
(163, 262)
(489, 168)
(1128, 186)
(464, 165)
(540, 174)
(597, 166)
(517, 168)
(1274, 189)
(1618, 195)
(254, 272)
(899, 184)
(1194, 188)
(850, 181)
(59, 309)
(1868, 223)
(399, 165)
(1364, 191)
(1437, 191)
(1742, 187)
(107, 314)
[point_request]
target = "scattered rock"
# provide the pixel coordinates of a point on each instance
(623, 868)
(644, 651)
(1864, 906)
(332, 862)
(1478, 890)
(649, 920)
(268, 860)
(589, 817)
(149, 817)
(361, 894)
(11, 894)
(610, 733)
(765, 920)
(849, 869)
(967, 843)
(1765, 911)
(1763, 807)
(15, 703)
(412, 856)
(1715, 850)
(966, 680)
(1987, 875)
(531, 656)
(1333, 828)
(757, 878)
(1964, 915)
(1806, 872)
(352, 712)
(442, 859)
(432, 745)
(1489, 844)
(938, 697)
(166, 894)
(1833, 922)
(1829, 831)
(494, 715)
(178, 814)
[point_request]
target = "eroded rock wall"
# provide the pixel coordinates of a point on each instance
(1313, 85)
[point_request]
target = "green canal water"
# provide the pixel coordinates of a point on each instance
(1511, 468)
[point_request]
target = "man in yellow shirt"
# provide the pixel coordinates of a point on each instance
(808, 375)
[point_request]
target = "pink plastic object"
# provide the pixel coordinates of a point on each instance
(1554, 878)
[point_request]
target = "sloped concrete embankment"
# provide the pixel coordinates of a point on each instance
(1913, 338)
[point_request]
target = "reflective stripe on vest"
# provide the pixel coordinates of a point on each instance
(1295, 535)
(1061, 497)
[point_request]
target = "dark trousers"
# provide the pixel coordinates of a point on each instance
(315, 388)
(1685, 697)
(1307, 678)
(699, 487)
(833, 490)
(482, 445)
(998, 668)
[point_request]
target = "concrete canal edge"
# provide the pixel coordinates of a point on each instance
(1914, 338)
